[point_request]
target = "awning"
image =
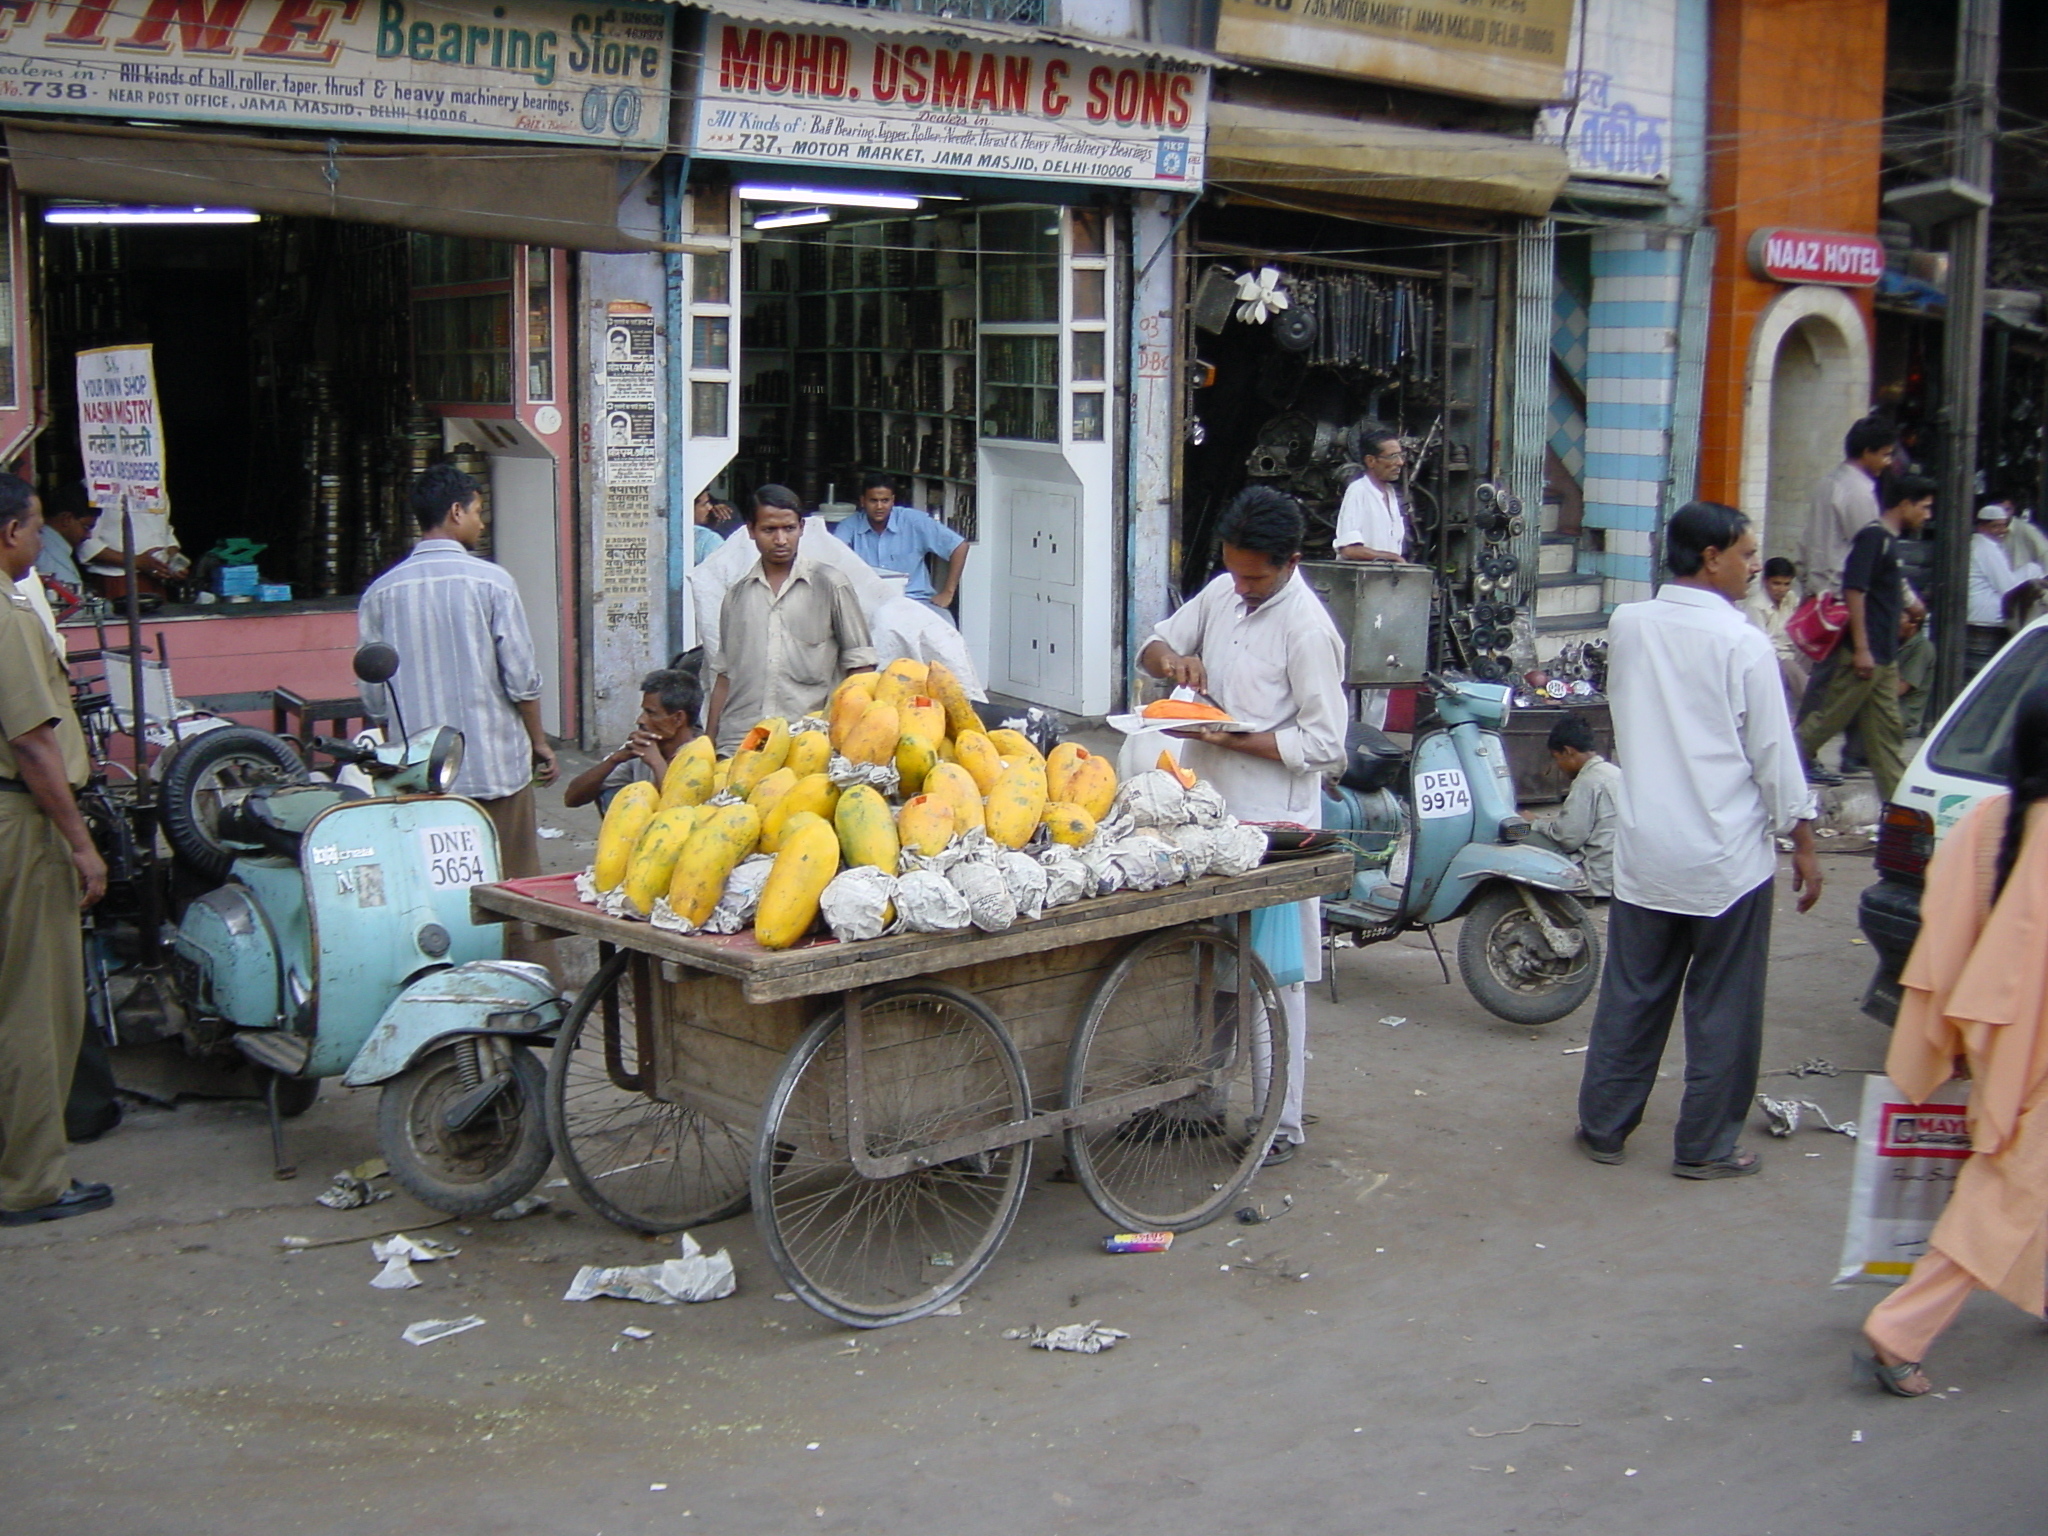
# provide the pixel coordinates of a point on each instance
(1254, 148)
(860, 18)
(537, 195)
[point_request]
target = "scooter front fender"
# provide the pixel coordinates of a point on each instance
(1476, 863)
(483, 997)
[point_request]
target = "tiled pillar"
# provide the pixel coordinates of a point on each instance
(1631, 367)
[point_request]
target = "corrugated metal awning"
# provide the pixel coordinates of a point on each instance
(1251, 148)
(560, 196)
(853, 18)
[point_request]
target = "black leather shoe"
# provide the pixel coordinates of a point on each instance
(78, 1200)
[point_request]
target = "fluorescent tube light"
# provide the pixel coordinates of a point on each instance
(792, 219)
(92, 213)
(826, 197)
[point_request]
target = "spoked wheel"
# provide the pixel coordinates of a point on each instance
(1166, 1018)
(636, 1161)
(871, 1251)
(495, 1155)
(1509, 963)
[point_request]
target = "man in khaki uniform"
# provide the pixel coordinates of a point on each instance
(49, 870)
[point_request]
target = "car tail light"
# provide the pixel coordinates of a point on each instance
(1905, 841)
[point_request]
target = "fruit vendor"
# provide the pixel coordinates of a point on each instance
(788, 630)
(1259, 643)
(668, 722)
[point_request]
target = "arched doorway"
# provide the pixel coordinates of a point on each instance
(1809, 379)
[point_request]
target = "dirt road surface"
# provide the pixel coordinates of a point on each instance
(1460, 1327)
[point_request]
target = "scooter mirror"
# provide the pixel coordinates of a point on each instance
(376, 663)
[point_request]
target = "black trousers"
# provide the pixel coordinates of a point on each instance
(1718, 963)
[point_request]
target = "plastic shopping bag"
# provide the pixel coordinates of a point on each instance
(1907, 1159)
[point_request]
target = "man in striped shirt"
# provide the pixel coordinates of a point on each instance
(466, 659)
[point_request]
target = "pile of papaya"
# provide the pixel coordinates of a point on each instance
(777, 795)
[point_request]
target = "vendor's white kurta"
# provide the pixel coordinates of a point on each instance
(1280, 668)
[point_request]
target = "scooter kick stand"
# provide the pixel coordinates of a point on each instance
(281, 1167)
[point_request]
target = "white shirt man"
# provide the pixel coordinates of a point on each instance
(1992, 573)
(1259, 642)
(1370, 522)
(1714, 776)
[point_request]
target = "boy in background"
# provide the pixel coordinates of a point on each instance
(1586, 827)
(669, 701)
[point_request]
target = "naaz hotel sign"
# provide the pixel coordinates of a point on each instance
(812, 97)
(1816, 256)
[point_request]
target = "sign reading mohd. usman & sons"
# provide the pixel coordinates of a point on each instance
(805, 96)
(499, 69)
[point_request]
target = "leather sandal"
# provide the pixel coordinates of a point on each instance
(1735, 1165)
(1891, 1377)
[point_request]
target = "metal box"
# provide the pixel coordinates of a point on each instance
(1382, 611)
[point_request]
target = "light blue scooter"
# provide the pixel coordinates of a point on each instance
(341, 945)
(1435, 834)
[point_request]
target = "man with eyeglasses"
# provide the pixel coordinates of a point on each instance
(1370, 523)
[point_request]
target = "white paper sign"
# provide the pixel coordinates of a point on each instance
(1442, 793)
(120, 429)
(809, 96)
(454, 856)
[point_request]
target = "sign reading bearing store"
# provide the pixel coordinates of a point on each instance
(809, 96)
(526, 69)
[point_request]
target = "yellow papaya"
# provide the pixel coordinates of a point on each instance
(874, 739)
(1067, 823)
(721, 775)
(1092, 785)
(977, 754)
(1015, 806)
(653, 864)
(767, 794)
(1059, 763)
(809, 752)
(899, 682)
(789, 901)
(761, 752)
(814, 793)
(723, 836)
(925, 824)
(867, 832)
(631, 809)
(946, 752)
(954, 785)
(947, 691)
(915, 757)
(847, 708)
(688, 780)
(1015, 744)
(918, 716)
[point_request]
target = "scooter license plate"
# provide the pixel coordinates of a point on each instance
(1442, 793)
(455, 857)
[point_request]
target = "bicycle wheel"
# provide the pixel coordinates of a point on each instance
(868, 1252)
(637, 1161)
(1167, 1014)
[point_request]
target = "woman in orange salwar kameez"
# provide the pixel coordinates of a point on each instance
(1976, 1001)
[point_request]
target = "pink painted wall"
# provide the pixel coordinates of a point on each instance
(308, 653)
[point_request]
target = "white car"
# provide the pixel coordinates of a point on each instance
(1962, 760)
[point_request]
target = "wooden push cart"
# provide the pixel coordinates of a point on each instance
(878, 1101)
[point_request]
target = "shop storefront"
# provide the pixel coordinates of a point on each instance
(327, 315)
(928, 276)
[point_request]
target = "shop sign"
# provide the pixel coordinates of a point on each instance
(806, 96)
(1616, 125)
(1816, 256)
(526, 69)
(120, 429)
(1501, 50)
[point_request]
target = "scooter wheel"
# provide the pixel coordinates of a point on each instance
(489, 1163)
(1507, 961)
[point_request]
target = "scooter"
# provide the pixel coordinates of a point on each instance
(1435, 834)
(340, 945)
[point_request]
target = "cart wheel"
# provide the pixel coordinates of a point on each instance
(1167, 1013)
(644, 1164)
(867, 1252)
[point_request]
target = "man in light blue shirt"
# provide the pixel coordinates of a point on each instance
(893, 538)
(69, 524)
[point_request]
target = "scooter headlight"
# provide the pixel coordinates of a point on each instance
(444, 759)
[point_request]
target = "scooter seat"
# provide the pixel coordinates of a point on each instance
(272, 819)
(1373, 760)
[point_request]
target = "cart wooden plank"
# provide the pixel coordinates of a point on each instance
(826, 965)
